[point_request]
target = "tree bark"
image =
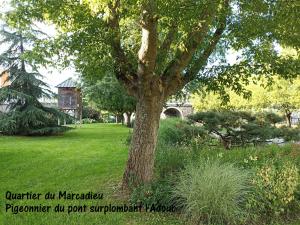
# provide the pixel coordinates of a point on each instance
(289, 119)
(128, 122)
(226, 143)
(139, 169)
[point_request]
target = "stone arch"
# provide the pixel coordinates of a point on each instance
(172, 112)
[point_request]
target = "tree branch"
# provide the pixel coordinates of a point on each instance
(202, 60)
(124, 71)
(172, 76)
(148, 51)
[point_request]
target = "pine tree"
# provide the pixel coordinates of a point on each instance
(25, 114)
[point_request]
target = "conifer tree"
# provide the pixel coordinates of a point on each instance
(23, 88)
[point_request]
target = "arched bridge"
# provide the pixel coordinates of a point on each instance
(180, 110)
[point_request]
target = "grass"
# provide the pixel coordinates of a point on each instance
(212, 192)
(89, 158)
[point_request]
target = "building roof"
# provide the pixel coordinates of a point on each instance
(69, 83)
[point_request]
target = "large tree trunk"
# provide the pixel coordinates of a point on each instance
(140, 162)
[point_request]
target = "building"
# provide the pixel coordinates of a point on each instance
(70, 98)
(4, 79)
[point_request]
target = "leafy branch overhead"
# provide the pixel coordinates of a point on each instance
(182, 36)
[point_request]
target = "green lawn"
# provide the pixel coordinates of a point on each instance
(89, 158)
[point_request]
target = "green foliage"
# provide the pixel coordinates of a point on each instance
(171, 156)
(90, 113)
(259, 204)
(241, 128)
(212, 193)
(174, 132)
(252, 156)
(288, 134)
(281, 95)
(275, 188)
(269, 118)
(263, 202)
(109, 95)
(159, 192)
(26, 115)
(170, 159)
(88, 37)
(88, 121)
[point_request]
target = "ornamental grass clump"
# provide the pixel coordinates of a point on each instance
(212, 193)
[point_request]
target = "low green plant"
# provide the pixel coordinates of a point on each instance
(212, 192)
(269, 118)
(88, 121)
(159, 192)
(179, 132)
(288, 134)
(170, 159)
(275, 188)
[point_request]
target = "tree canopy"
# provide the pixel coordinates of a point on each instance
(107, 94)
(282, 95)
(100, 34)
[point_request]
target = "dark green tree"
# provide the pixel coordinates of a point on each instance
(22, 90)
(235, 128)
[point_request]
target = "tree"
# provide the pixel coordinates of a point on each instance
(241, 128)
(89, 112)
(109, 95)
(26, 115)
(284, 96)
(157, 47)
(281, 95)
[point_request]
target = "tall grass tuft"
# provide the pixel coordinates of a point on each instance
(212, 193)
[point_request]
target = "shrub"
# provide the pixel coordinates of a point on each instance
(159, 192)
(170, 159)
(269, 118)
(174, 131)
(289, 134)
(212, 192)
(241, 128)
(90, 113)
(88, 121)
(276, 186)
